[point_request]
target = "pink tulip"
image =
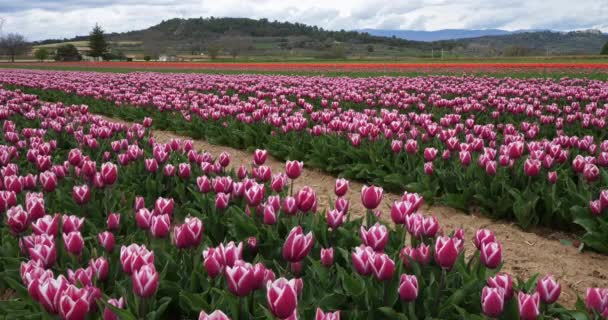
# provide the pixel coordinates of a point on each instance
(164, 206)
(81, 277)
(502, 281)
(320, 315)
(362, 260)
(254, 195)
(282, 297)
(429, 169)
(109, 173)
(215, 315)
(341, 187)
(100, 268)
(71, 223)
(50, 291)
(528, 306)
(492, 301)
(46, 225)
(224, 159)
(134, 257)
(270, 216)
(371, 197)
(113, 221)
(335, 218)
(400, 210)
(143, 217)
(596, 299)
(145, 281)
(430, 226)
(73, 303)
(81, 194)
(342, 204)
(306, 200)
(17, 219)
(483, 236)
(293, 169)
(189, 234)
(552, 177)
(34, 205)
(222, 200)
(48, 181)
(213, 262)
(139, 203)
(375, 237)
(430, 154)
(151, 165)
(383, 267)
(231, 253)
(160, 225)
(491, 254)
(327, 257)
(108, 314)
(259, 157)
(408, 288)
(290, 206)
(591, 172)
(548, 289)
(297, 245)
(106, 240)
(446, 252)
(241, 280)
(73, 242)
(532, 167)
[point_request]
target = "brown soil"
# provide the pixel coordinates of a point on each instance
(524, 253)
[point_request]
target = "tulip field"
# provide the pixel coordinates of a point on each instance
(103, 221)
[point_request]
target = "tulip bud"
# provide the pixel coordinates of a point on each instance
(528, 306)
(73, 303)
(341, 187)
(145, 281)
(46, 225)
(259, 157)
(492, 301)
(241, 280)
(483, 236)
(73, 242)
(297, 245)
(160, 225)
(81, 194)
(106, 240)
(107, 312)
(371, 197)
(215, 315)
(383, 266)
(335, 218)
(596, 300)
(17, 219)
(327, 257)
(306, 200)
(408, 288)
(164, 206)
(282, 297)
(224, 159)
(491, 254)
(270, 217)
(342, 204)
(293, 169)
(446, 252)
(213, 262)
(109, 173)
(113, 221)
(532, 167)
(548, 289)
(552, 177)
(188, 234)
(100, 268)
(320, 315)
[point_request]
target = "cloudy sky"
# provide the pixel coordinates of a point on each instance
(43, 19)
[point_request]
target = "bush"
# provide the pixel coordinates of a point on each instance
(67, 52)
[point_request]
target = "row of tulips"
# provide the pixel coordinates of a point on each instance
(215, 243)
(530, 150)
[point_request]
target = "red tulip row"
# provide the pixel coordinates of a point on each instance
(50, 149)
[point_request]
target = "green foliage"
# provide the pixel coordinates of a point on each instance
(97, 42)
(213, 51)
(67, 52)
(41, 54)
(604, 49)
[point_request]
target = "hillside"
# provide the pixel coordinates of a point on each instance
(436, 35)
(241, 37)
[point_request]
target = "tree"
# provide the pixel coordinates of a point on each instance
(605, 49)
(370, 48)
(213, 51)
(41, 54)
(67, 52)
(13, 45)
(97, 42)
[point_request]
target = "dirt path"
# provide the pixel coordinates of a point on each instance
(525, 253)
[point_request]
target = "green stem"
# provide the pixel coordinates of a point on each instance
(441, 284)
(411, 310)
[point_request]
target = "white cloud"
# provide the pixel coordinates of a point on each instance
(42, 19)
